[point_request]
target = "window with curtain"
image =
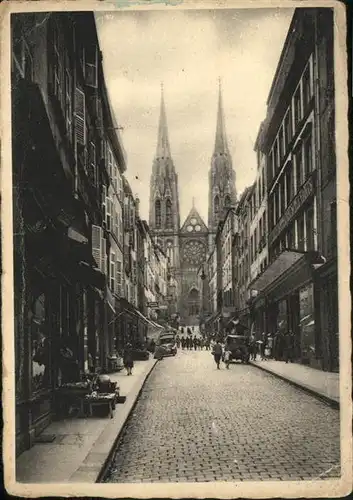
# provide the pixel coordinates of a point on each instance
(299, 167)
(310, 240)
(287, 129)
(158, 213)
(289, 185)
(308, 156)
(297, 107)
(307, 89)
(301, 233)
(168, 214)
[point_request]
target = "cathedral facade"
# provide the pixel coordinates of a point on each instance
(187, 245)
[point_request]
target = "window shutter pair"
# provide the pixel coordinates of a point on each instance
(80, 117)
(112, 272)
(118, 277)
(104, 256)
(91, 65)
(96, 245)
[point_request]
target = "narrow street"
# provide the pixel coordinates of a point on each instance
(194, 423)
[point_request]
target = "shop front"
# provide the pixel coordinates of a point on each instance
(54, 271)
(258, 316)
(289, 289)
(327, 280)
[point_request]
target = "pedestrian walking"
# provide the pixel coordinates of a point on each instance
(227, 354)
(195, 343)
(263, 346)
(281, 344)
(217, 353)
(270, 346)
(289, 347)
(253, 348)
(128, 359)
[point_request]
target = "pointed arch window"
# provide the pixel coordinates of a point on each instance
(170, 253)
(227, 202)
(158, 217)
(216, 204)
(168, 215)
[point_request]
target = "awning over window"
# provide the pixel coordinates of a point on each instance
(286, 262)
(283, 262)
(145, 320)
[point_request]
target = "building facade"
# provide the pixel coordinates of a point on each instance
(63, 140)
(242, 256)
(258, 239)
(297, 139)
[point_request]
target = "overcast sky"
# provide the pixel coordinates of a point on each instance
(187, 51)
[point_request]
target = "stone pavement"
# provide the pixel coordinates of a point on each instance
(195, 423)
(322, 384)
(82, 445)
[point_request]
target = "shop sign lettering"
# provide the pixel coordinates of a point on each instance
(293, 208)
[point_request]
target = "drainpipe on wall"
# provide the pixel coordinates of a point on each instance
(318, 117)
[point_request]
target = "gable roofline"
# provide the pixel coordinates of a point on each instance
(193, 213)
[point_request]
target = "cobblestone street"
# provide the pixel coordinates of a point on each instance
(195, 423)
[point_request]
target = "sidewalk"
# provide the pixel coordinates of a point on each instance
(324, 385)
(82, 445)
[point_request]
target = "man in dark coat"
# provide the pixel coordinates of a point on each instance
(289, 347)
(128, 359)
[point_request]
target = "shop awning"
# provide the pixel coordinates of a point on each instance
(286, 262)
(146, 320)
(275, 270)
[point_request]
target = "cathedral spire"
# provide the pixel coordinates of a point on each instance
(221, 145)
(163, 148)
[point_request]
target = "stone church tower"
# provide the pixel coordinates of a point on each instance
(222, 193)
(164, 216)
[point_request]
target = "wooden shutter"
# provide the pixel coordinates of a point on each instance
(112, 272)
(119, 277)
(80, 117)
(104, 255)
(96, 244)
(91, 60)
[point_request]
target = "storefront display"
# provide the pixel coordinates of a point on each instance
(282, 320)
(40, 347)
(307, 323)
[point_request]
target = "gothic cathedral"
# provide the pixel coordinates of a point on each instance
(187, 245)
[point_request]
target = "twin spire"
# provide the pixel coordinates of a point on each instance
(221, 145)
(163, 147)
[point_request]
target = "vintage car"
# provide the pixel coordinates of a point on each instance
(166, 345)
(238, 345)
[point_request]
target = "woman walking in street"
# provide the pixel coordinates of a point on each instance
(217, 353)
(128, 359)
